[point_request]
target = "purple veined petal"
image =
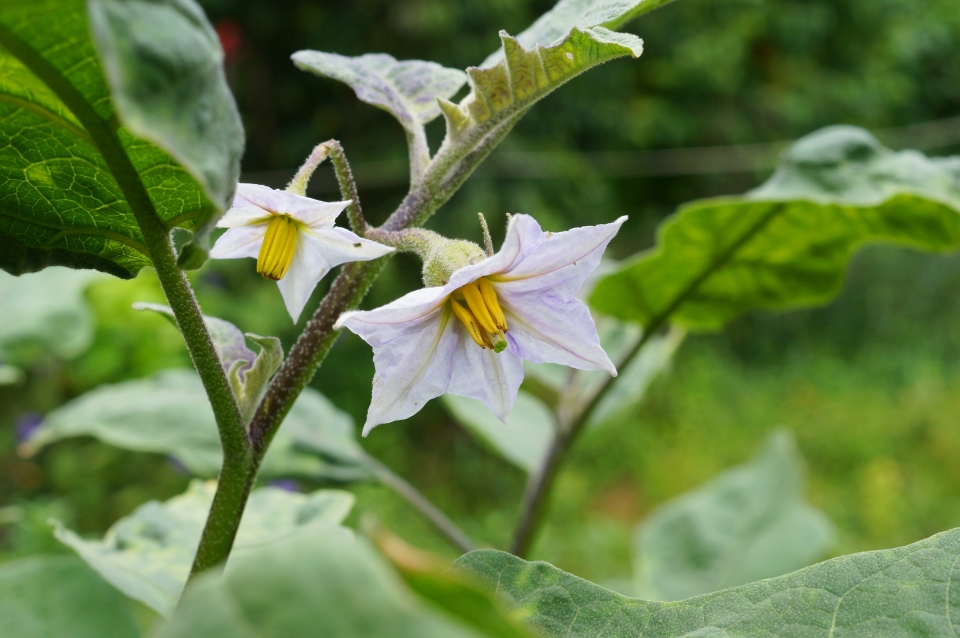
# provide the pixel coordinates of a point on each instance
(550, 327)
(239, 242)
(559, 261)
(342, 246)
(486, 375)
(382, 325)
(413, 367)
(308, 267)
(244, 216)
(305, 210)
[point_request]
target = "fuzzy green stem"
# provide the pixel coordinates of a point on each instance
(341, 167)
(419, 241)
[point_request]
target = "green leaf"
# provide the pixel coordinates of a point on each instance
(10, 375)
(905, 592)
(503, 92)
(169, 413)
(107, 114)
(746, 524)
(523, 439)
(567, 14)
(321, 584)
(48, 308)
(52, 596)
(148, 554)
(786, 244)
(248, 373)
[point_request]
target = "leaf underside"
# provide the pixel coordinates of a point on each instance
(787, 243)
(905, 592)
(67, 122)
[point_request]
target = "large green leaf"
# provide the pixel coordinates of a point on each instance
(503, 92)
(904, 592)
(746, 524)
(59, 596)
(110, 109)
(169, 413)
(523, 439)
(567, 14)
(148, 554)
(787, 243)
(48, 308)
(320, 584)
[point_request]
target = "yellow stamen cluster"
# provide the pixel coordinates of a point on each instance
(482, 316)
(276, 253)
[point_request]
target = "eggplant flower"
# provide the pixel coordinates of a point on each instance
(293, 239)
(470, 336)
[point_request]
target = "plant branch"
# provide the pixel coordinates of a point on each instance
(341, 167)
(541, 482)
(413, 496)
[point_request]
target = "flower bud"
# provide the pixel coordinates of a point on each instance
(446, 256)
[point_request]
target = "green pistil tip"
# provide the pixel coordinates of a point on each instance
(500, 346)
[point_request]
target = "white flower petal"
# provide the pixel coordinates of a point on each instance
(383, 325)
(342, 245)
(307, 268)
(244, 241)
(559, 261)
(305, 210)
(413, 367)
(244, 216)
(550, 327)
(486, 376)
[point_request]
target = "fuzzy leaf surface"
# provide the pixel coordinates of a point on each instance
(787, 243)
(46, 596)
(169, 413)
(910, 591)
(148, 554)
(746, 524)
(106, 105)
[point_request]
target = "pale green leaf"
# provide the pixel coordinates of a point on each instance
(148, 554)
(169, 413)
(523, 439)
(503, 92)
(786, 244)
(48, 308)
(127, 106)
(906, 592)
(321, 584)
(60, 597)
(567, 14)
(407, 89)
(746, 524)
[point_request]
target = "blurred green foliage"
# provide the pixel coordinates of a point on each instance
(869, 385)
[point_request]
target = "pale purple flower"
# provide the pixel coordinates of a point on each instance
(422, 349)
(302, 242)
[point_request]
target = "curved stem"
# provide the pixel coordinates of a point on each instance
(413, 496)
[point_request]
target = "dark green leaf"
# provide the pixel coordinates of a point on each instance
(148, 554)
(94, 131)
(905, 592)
(787, 243)
(60, 597)
(746, 524)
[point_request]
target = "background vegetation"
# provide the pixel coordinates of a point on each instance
(869, 385)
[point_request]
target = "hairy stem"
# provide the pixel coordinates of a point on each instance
(430, 511)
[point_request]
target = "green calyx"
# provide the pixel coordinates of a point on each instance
(444, 256)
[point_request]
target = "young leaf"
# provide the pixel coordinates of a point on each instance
(787, 243)
(504, 91)
(746, 524)
(908, 591)
(319, 584)
(169, 413)
(47, 596)
(567, 14)
(128, 114)
(148, 554)
(523, 439)
(47, 308)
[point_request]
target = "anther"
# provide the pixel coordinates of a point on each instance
(471, 324)
(278, 247)
(492, 304)
(477, 306)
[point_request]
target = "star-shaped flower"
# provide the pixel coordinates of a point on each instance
(293, 238)
(470, 336)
